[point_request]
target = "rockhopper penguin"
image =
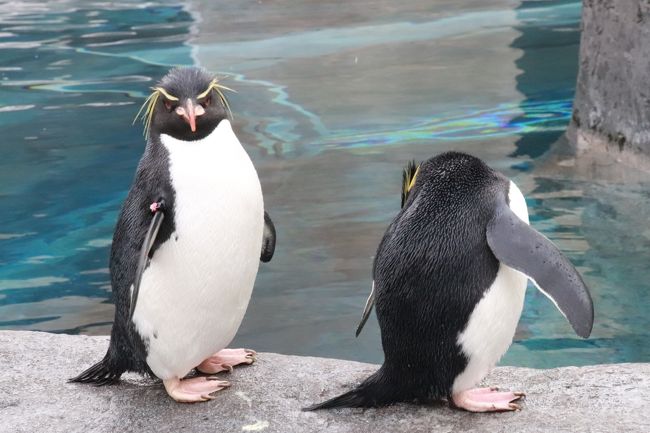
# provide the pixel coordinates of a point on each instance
(449, 277)
(187, 244)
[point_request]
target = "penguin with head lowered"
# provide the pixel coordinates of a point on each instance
(449, 277)
(187, 244)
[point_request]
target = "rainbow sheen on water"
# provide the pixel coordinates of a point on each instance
(329, 111)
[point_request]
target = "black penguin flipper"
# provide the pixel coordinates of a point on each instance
(370, 302)
(143, 260)
(268, 243)
(521, 247)
(99, 374)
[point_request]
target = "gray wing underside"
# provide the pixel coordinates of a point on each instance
(143, 259)
(521, 247)
(268, 242)
(370, 302)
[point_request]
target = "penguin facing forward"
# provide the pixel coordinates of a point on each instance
(449, 280)
(187, 244)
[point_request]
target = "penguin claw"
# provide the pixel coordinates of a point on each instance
(487, 400)
(195, 389)
(226, 359)
(224, 383)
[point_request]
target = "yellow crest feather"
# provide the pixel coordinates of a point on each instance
(147, 108)
(413, 179)
(166, 94)
(214, 85)
(409, 176)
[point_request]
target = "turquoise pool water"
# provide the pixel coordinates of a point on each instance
(332, 99)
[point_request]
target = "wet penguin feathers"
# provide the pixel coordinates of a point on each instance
(178, 198)
(409, 176)
(443, 253)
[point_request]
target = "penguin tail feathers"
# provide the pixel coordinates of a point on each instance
(373, 392)
(356, 398)
(99, 374)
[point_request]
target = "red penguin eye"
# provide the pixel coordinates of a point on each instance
(168, 105)
(207, 101)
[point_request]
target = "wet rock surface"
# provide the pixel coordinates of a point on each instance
(268, 396)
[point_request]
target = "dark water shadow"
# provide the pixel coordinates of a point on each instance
(550, 40)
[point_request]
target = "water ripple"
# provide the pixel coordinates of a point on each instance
(9, 108)
(322, 42)
(31, 282)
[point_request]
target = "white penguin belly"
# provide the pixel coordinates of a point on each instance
(195, 292)
(491, 326)
(493, 322)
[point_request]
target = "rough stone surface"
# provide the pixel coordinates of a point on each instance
(612, 104)
(268, 395)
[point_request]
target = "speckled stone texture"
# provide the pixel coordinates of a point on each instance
(267, 396)
(612, 103)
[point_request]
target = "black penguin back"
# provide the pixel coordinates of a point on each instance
(432, 267)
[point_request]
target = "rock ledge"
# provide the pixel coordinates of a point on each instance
(267, 396)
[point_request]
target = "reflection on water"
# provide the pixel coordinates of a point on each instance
(332, 98)
(549, 43)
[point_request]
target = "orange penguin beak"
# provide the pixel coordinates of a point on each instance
(190, 112)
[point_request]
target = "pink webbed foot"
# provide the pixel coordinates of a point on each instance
(194, 389)
(487, 400)
(225, 360)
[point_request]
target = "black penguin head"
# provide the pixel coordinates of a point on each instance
(448, 176)
(187, 104)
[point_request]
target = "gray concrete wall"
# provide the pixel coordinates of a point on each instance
(612, 104)
(267, 397)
